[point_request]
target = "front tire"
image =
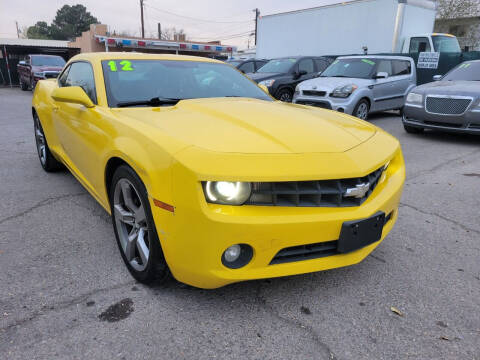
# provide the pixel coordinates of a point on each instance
(362, 109)
(285, 95)
(47, 160)
(135, 229)
(23, 86)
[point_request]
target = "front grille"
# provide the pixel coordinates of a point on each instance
(443, 124)
(51, 75)
(314, 93)
(447, 105)
(305, 252)
(320, 104)
(474, 126)
(310, 251)
(321, 193)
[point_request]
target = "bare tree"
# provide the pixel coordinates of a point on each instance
(451, 9)
(169, 33)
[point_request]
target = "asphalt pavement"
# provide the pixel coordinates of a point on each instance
(66, 294)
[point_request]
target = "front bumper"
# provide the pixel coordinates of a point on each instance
(345, 105)
(195, 236)
(417, 116)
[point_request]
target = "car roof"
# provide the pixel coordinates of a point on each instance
(392, 57)
(99, 56)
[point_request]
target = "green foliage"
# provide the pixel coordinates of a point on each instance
(69, 23)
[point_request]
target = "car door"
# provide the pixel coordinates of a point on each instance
(401, 81)
(383, 89)
(308, 66)
(78, 127)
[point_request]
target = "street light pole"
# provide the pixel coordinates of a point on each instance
(257, 14)
(141, 16)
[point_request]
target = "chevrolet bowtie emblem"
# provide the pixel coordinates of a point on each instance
(359, 191)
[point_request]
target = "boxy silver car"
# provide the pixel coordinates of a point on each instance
(452, 103)
(360, 85)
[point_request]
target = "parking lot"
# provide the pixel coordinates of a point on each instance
(67, 294)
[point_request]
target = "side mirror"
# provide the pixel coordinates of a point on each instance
(381, 75)
(72, 94)
(264, 88)
(437, 77)
(22, 62)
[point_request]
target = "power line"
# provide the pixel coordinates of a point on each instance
(227, 37)
(197, 19)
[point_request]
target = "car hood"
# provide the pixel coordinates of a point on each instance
(46, 68)
(263, 76)
(253, 126)
(458, 88)
(330, 83)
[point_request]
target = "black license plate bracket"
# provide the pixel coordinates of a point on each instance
(357, 234)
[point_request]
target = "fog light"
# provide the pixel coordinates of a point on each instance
(237, 256)
(232, 253)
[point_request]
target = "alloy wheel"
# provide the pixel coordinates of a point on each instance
(131, 222)
(285, 96)
(40, 141)
(362, 111)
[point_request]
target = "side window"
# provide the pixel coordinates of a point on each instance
(63, 78)
(385, 66)
(306, 65)
(401, 67)
(321, 64)
(259, 64)
(81, 74)
(248, 67)
(419, 44)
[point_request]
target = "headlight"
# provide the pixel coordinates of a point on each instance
(297, 91)
(227, 192)
(267, 83)
(414, 98)
(344, 91)
(38, 74)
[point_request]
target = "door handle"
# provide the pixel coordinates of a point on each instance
(55, 108)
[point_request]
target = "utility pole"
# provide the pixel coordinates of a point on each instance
(18, 31)
(141, 16)
(159, 31)
(257, 14)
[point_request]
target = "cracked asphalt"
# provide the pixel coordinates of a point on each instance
(65, 293)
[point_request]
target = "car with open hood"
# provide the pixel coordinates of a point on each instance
(450, 103)
(360, 85)
(209, 178)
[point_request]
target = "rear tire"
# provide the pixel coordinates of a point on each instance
(285, 95)
(135, 229)
(412, 129)
(47, 160)
(361, 109)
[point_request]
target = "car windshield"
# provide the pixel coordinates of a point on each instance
(468, 71)
(277, 66)
(351, 68)
(445, 43)
(141, 80)
(47, 61)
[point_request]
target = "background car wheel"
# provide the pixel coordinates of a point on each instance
(412, 129)
(361, 109)
(23, 86)
(135, 229)
(285, 95)
(48, 162)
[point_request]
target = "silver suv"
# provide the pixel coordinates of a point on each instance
(360, 85)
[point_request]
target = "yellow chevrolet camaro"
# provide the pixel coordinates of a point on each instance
(207, 177)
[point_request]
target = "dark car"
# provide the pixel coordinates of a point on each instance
(282, 75)
(248, 65)
(38, 67)
(451, 103)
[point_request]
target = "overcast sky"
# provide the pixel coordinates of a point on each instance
(231, 16)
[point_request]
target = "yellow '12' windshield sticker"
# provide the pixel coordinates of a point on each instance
(125, 65)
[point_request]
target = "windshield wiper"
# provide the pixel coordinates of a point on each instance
(156, 101)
